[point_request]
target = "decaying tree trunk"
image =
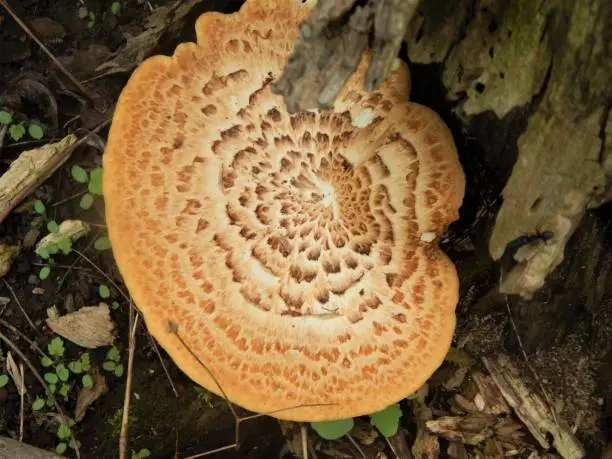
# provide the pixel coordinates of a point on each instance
(558, 52)
(531, 86)
(553, 56)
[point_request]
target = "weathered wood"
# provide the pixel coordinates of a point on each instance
(31, 169)
(331, 45)
(12, 449)
(532, 410)
(553, 57)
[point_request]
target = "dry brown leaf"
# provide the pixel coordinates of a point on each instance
(13, 370)
(87, 396)
(89, 327)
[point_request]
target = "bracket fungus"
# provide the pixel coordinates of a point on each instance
(288, 259)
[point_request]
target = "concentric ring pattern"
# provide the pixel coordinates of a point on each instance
(294, 255)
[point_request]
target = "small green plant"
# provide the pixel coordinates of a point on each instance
(38, 404)
(59, 370)
(102, 243)
(103, 291)
(116, 8)
(386, 421)
(5, 118)
(331, 430)
(144, 452)
(205, 396)
(4, 380)
(46, 252)
(89, 16)
(112, 362)
(93, 181)
(16, 130)
(39, 207)
(35, 131)
(63, 433)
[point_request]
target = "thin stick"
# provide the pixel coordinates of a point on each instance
(304, 434)
(3, 129)
(210, 373)
(32, 344)
(356, 445)
(27, 30)
(528, 362)
(72, 266)
(391, 446)
(174, 329)
(123, 436)
(163, 364)
(23, 311)
(127, 298)
(524, 353)
(76, 268)
(69, 198)
(213, 451)
(22, 409)
(106, 276)
(268, 413)
(40, 379)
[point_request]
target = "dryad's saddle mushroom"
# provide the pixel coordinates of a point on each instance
(292, 256)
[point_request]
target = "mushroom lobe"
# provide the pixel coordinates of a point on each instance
(287, 261)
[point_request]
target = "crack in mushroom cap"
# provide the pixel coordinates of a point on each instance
(294, 255)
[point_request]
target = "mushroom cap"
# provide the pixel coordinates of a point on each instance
(292, 257)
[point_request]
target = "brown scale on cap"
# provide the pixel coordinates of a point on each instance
(295, 256)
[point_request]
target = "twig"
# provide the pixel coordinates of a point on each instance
(527, 361)
(87, 270)
(3, 130)
(40, 379)
(123, 436)
(210, 373)
(304, 434)
(127, 298)
(23, 311)
(391, 447)
(72, 265)
(269, 413)
(69, 198)
(22, 401)
(212, 451)
(59, 65)
(356, 445)
(173, 328)
(32, 344)
(163, 364)
(106, 276)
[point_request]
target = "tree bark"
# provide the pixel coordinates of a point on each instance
(550, 57)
